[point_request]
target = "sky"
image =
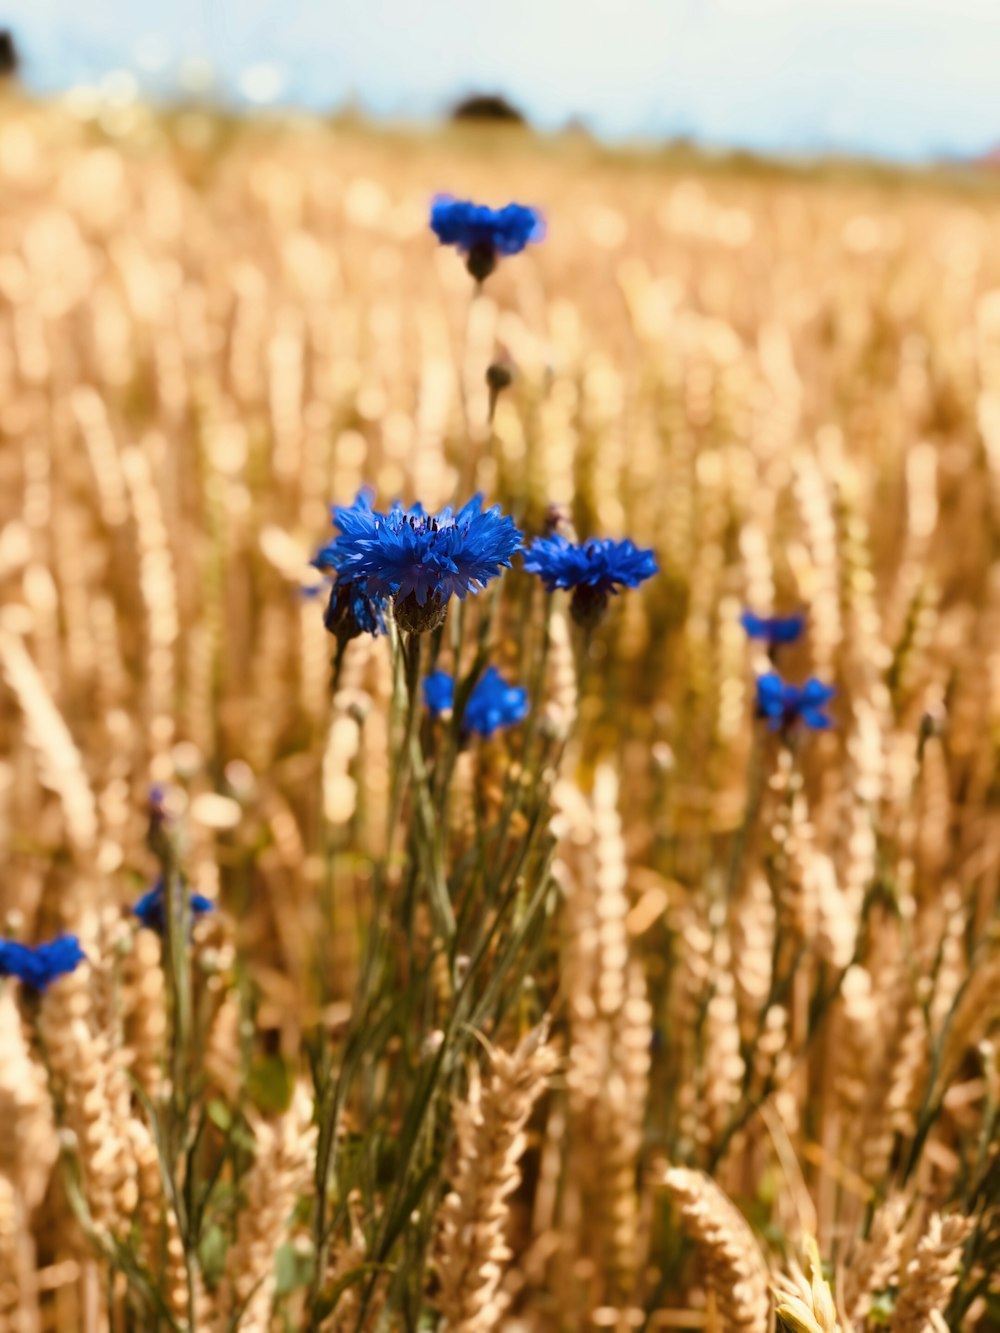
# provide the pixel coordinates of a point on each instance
(903, 79)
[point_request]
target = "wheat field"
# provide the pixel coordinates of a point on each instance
(638, 1016)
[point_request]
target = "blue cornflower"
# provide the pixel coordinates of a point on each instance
(149, 908)
(594, 569)
(784, 705)
(418, 559)
(38, 967)
(350, 611)
(774, 630)
(492, 704)
(481, 233)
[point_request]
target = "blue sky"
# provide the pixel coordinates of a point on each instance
(899, 78)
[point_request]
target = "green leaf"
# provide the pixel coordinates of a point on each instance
(219, 1114)
(270, 1084)
(883, 1305)
(293, 1268)
(212, 1253)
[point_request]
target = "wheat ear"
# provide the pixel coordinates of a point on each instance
(471, 1248)
(931, 1275)
(732, 1262)
(803, 1301)
(275, 1181)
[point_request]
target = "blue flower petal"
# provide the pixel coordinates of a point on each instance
(784, 705)
(815, 693)
(439, 692)
(774, 629)
(494, 704)
(491, 705)
(770, 694)
(150, 907)
(37, 967)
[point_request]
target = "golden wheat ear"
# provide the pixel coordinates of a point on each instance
(731, 1260)
(471, 1252)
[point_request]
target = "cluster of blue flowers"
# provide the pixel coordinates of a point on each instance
(482, 234)
(493, 703)
(415, 562)
(419, 561)
(785, 706)
(38, 966)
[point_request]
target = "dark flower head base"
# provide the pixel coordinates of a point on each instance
(588, 605)
(418, 560)
(417, 619)
(481, 260)
(484, 234)
(37, 967)
(787, 707)
(593, 570)
(492, 705)
(499, 376)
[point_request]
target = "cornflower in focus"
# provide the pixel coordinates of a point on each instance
(483, 234)
(786, 705)
(775, 631)
(492, 704)
(150, 907)
(419, 560)
(37, 967)
(593, 569)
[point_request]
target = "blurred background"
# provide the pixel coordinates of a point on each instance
(784, 378)
(911, 80)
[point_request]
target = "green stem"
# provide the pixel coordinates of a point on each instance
(406, 652)
(430, 846)
(755, 792)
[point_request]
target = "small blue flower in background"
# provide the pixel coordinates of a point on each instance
(597, 563)
(418, 559)
(492, 704)
(593, 569)
(149, 908)
(774, 630)
(439, 693)
(38, 967)
(784, 705)
(481, 233)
